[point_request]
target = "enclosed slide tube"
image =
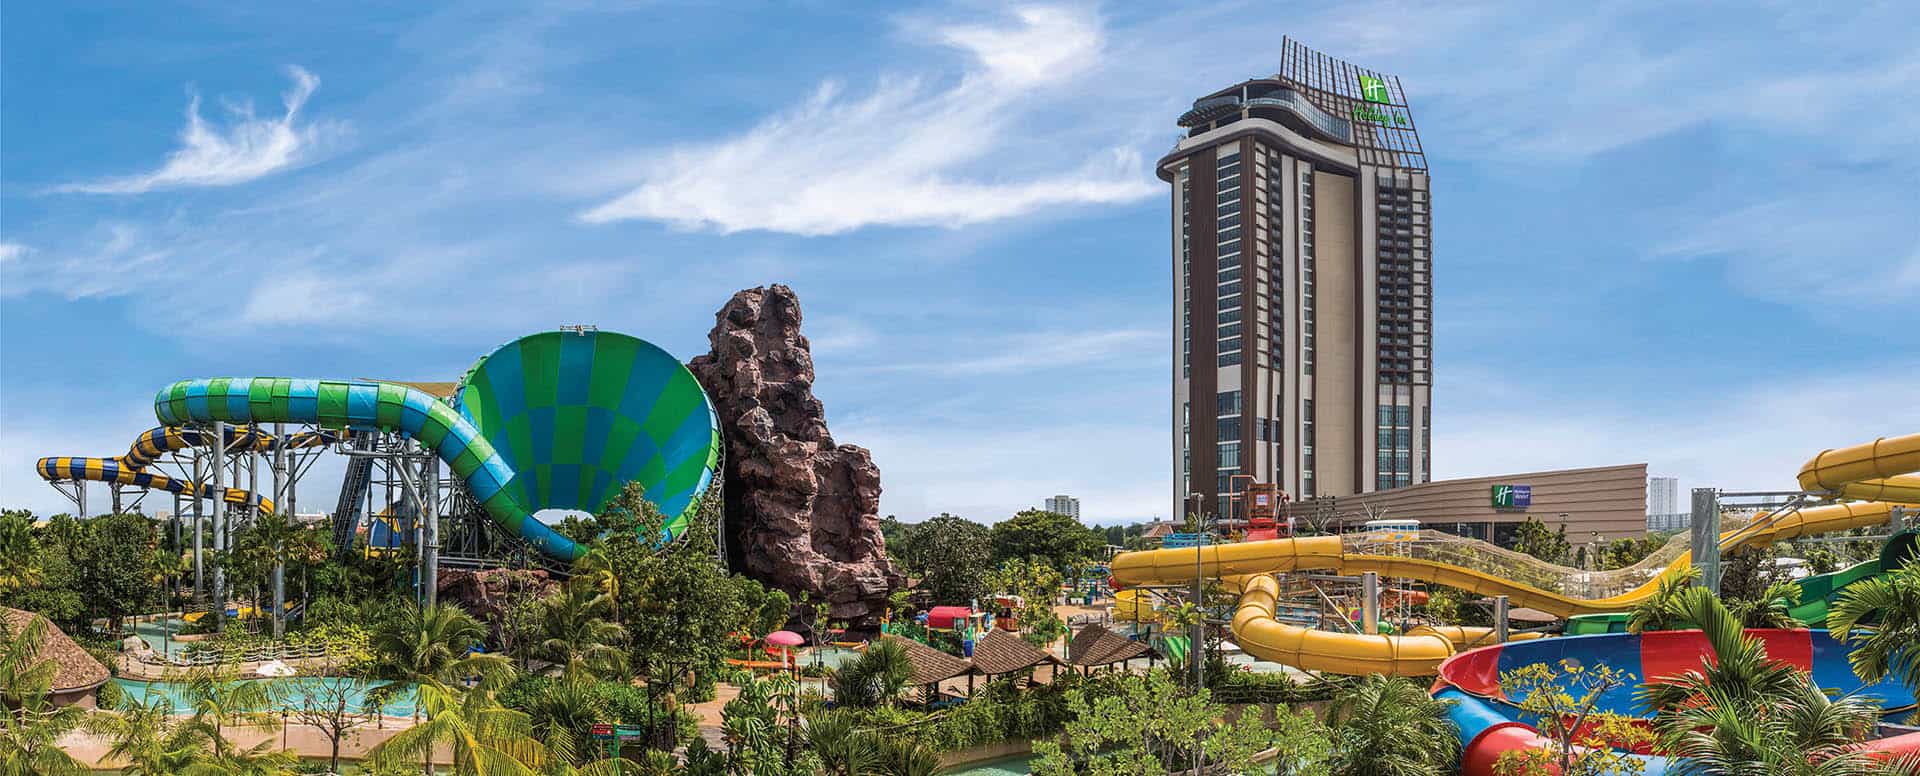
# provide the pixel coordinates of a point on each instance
(1250, 566)
(557, 420)
(131, 469)
(1489, 720)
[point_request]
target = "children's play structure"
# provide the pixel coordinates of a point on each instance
(556, 420)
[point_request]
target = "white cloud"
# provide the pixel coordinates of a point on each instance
(1844, 242)
(1027, 352)
(250, 148)
(10, 251)
(908, 153)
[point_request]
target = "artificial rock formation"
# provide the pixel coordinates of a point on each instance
(802, 513)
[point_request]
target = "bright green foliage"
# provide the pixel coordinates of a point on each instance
(221, 698)
(1661, 611)
(579, 640)
(484, 738)
(1389, 726)
(150, 740)
(1036, 583)
(1621, 553)
(1061, 541)
(950, 555)
(876, 678)
(1881, 616)
(1560, 704)
(1535, 538)
(1151, 727)
(19, 568)
(431, 646)
(1741, 712)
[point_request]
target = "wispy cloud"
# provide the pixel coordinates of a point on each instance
(906, 154)
(249, 148)
(120, 259)
(10, 251)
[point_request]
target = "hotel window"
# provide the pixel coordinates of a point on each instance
(1229, 455)
(1228, 403)
(1226, 428)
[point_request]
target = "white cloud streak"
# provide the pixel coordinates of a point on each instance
(906, 154)
(250, 148)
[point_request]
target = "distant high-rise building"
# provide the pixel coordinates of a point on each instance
(1663, 496)
(1065, 505)
(1302, 255)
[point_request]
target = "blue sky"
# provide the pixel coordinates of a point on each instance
(1684, 237)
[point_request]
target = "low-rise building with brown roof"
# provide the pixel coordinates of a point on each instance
(78, 675)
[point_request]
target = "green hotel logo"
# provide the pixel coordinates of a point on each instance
(1374, 90)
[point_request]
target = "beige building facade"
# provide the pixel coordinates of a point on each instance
(1595, 504)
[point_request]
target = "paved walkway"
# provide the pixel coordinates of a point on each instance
(308, 742)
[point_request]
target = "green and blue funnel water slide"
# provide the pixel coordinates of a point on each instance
(557, 420)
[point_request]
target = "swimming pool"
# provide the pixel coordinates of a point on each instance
(1005, 766)
(290, 693)
(158, 634)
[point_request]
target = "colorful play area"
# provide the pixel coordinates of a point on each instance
(1864, 486)
(562, 419)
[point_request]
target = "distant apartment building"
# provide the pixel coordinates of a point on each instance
(1064, 505)
(1302, 253)
(1664, 510)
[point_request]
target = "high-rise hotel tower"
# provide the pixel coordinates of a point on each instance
(1302, 269)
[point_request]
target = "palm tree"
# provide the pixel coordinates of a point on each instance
(150, 740)
(1741, 671)
(221, 698)
(483, 737)
(578, 640)
(842, 748)
(560, 715)
(1657, 612)
(1881, 616)
(596, 571)
(1741, 712)
(270, 544)
(907, 757)
(1389, 726)
(433, 645)
(29, 739)
(876, 679)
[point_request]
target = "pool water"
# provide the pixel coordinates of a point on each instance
(158, 633)
(829, 656)
(289, 693)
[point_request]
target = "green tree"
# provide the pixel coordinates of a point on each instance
(1152, 727)
(19, 567)
(1535, 538)
(679, 605)
(111, 553)
(483, 737)
(950, 555)
(1389, 726)
(30, 739)
(876, 678)
(1061, 541)
(150, 740)
(580, 641)
(432, 645)
(1881, 617)
(1563, 705)
(220, 698)
(1036, 583)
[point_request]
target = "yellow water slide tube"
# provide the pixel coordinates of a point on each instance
(1879, 469)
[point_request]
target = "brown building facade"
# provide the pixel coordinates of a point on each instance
(1603, 503)
(1302, 287)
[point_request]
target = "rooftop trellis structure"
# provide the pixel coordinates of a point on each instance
(1382, 124)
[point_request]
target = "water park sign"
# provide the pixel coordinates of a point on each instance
(1512, 496)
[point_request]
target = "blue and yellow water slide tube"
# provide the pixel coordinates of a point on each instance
(151, 445)
(558, 420)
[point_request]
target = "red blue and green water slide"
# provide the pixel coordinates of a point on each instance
(557, 420)
(1490, 722)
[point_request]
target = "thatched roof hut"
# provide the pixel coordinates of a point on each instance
(79, 673)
